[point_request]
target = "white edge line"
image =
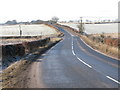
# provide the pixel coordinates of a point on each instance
(87, 44)
(97, 50)
(113, 79)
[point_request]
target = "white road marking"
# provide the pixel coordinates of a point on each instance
(80, 59)
(86, 44)
(97, 50)
(73, 52)
(72, 47)
(113, 79)
(76, 55)
(84, 62)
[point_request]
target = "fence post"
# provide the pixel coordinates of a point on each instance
(20, 30)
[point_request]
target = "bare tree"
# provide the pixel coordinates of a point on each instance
(55, 19)
(13, 22)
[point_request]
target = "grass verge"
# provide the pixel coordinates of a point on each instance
(15, 75)
(106, 49)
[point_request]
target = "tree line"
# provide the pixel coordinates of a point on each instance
(14, 22)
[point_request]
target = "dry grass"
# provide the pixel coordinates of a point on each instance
(10, 76)
(108, 50)
(21, 40)
(55, 39)
(15, 75)
(112, 35)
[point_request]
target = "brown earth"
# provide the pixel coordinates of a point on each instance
(21, 73)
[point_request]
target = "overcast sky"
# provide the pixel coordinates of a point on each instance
(27, 10)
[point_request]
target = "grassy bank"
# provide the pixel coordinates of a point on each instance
(106, 49)
(15, 75)
(103, 48)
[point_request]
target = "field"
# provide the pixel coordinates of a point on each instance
(27, 30)
(96, 28)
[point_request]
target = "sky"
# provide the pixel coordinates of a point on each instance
(27, 10)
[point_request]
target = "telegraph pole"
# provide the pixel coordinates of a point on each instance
(81, 23)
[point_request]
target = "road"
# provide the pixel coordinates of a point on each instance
(73, 64)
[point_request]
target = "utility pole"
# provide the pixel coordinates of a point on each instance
(81, 26)
(81, 23)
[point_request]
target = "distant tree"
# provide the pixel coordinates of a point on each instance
(13, 22)
(37, 22)
(109, 20)
(8, 22)
(87, 20)
(55, 19)
(71, 21)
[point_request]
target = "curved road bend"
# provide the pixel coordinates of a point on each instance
(72, 64)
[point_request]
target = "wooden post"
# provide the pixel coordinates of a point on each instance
(20, 30)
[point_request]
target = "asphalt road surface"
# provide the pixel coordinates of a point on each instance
(73, 64)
